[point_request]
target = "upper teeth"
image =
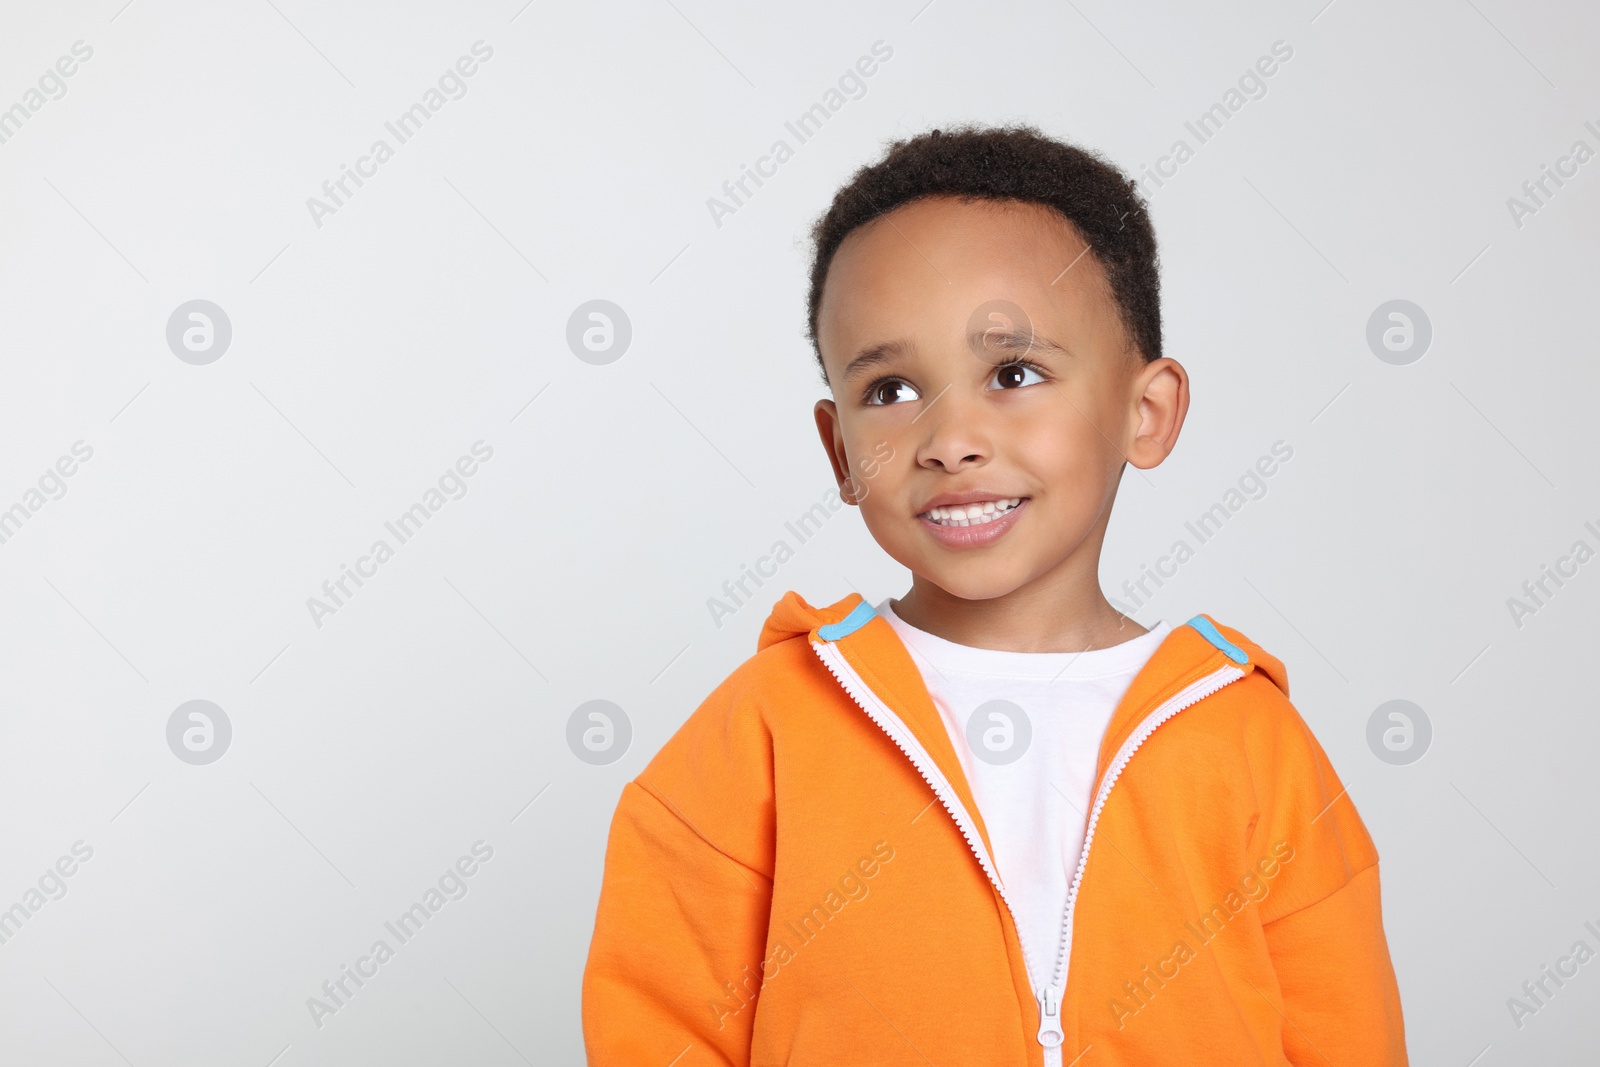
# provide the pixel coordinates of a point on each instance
(972, 514)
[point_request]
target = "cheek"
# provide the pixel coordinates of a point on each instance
(1066, 439)
(884, 467)
(877, 458)
(886, 510)
(1071, 456)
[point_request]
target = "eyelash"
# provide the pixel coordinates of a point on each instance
(1028, 363)
(873, 386)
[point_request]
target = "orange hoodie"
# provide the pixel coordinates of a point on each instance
(801, 876)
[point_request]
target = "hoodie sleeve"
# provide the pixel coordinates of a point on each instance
(1340, 1001)
(1323, 921)
(678, 938)
(681, 927)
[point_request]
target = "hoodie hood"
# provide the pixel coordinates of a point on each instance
(874, 650)
(871, 645)
(793, 617)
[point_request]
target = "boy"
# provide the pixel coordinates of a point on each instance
(993, 821)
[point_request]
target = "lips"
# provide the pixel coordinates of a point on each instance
(971, 520)
(975, 514)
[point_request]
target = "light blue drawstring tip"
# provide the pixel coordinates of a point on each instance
(1209, 631)
(859, 616)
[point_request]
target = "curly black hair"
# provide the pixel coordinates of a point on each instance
(1009, 163)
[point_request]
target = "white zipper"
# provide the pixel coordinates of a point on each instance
(1051, 1034)
(906, 741)
(1189, 695)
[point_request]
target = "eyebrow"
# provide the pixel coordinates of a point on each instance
(875, 356)
(1004, 340)
(1013, 340)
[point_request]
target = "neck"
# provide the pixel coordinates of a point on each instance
(1063, 611)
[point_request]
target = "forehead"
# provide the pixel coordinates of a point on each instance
(929, 264)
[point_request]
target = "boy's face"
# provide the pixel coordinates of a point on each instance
(976, 358)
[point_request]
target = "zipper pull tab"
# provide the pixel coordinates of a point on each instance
(1050, 1032)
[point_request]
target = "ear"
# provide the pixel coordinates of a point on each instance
(1161, 398)
(826, 414)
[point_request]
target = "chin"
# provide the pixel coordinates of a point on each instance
(974, 592)
(969, 582)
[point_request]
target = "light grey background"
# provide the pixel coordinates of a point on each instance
(430, 312)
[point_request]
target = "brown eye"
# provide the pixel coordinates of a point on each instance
(891, 391)
(1016, 375)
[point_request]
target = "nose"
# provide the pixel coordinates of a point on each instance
(954, 436)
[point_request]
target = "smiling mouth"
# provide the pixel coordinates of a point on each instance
(972, 514)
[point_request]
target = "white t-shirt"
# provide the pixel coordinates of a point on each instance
(1027, 728)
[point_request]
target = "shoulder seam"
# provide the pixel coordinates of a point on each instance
(677, 813)
(1341, 887)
